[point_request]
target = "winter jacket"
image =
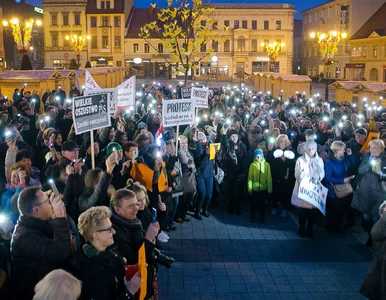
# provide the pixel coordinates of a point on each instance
(336, 171)
(95, 196)
(204, 166)
(374, 284)
(102, 274)
(37, 248)
(129, 237)
(283, 173)
(369, 194)
(234, 162)
(9, 208)
(306, 167)
(259, 177)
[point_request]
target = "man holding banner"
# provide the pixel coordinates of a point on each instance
(309, 168)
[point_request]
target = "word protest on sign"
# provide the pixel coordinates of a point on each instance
(186, 92)
(200, 96)
(126, 94)
(313, 192)
(113, 94)
(178, 112)
(91, 112)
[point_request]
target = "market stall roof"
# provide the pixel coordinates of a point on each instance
(298, 78)
(32, 75)
(372, 86)
(66, 73)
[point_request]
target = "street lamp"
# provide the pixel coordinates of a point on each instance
(22, 32)
(273, 51)
(328, 47)
(78, 42)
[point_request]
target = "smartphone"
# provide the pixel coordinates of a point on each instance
(130, 271)
(153, 215)
(53, 187)
(351, 177)
(135, 156)
(116, 155)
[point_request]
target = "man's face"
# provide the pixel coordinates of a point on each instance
(307, 123)
(43, 209)
(71, 155)
(360, 138)
(157, 118)
(128, 208)
(129, 154)
(234, 138)
(4, 117)
(105, 233)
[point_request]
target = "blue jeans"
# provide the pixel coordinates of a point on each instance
(172, 213)
(205, 188)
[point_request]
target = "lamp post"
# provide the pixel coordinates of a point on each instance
(78, 42)
(273, 52)
(328, 47)
(22, 32)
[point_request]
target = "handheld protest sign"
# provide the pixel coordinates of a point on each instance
(200, 97)
(213, 149)
(178, 112)
(126, 93)
(113, 97)
(370, 137)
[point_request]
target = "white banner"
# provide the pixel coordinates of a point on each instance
(313, 192)
(112, 99)
(91, 112)
(126, 94)
(90, 82)
(178, 112)
(200, 96)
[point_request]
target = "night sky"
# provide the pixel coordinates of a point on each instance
(299, 4)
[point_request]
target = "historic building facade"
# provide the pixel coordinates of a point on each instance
(249, 26)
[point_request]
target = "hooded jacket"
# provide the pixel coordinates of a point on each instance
(259, 177)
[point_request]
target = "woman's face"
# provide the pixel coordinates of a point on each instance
(281, 143)
(340, 153)
(184, 144)
(375, 150)
(59, 140)
(141, 198)
(311, 152)
(14, 182)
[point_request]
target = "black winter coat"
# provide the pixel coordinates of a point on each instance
(102, 274)
(234, 162)
(129, 237)
(37, 248)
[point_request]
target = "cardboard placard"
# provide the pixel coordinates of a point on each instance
(313, 192)
(370, 137)
(126, 93)
(186, 92)
(178, 112)
(213, 149)
(113, 97)
(200, 97)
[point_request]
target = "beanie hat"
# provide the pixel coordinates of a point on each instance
(232, 131)
(258, 152)
(142, 125)
(111, 146)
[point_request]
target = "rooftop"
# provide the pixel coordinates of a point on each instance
(119, 8)
(375, 23)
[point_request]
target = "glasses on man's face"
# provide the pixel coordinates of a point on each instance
(108, 229)
(41, 203)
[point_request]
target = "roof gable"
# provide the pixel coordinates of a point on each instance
(375, 24)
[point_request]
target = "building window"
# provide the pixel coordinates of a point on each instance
(375, 51)
(241, 44)
(203, 47)
(244, 24)
(105, 5)
(94, 42)
(77, 19)
(108, 5)
(278, 25)
(54, 39)
(66, 42)
(236, 24)
(254, 45)
(160, 48)
(54, 20)
(105, 21)
(266, 25)
(117, 21)
(93, 22)
(135, 47)
(105, 42)
(254, 25)
(119, 63)
(226, 23)
(65, 19)
(215, 45)
(147, 48)
(117, 42)
(227, 46)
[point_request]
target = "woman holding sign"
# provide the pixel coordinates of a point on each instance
(309, 165)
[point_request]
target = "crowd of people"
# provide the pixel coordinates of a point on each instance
(71, 230)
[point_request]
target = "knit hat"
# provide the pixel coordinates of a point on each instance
(142, 125)
(258, 152)
(231, 132)
(111, 146)
(169, 135)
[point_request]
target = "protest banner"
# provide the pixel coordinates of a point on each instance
(370, 137)
(126, 94)
(313, 192)
(178, 112)
(200, 97)
(90, 82)
(186, 92)
(113, 95)
(142, 269)
(91, 112)
(213, 149)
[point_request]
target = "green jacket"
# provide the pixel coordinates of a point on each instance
(259, 177)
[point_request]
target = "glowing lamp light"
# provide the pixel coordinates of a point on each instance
(38, 23)
(137, 60)
(214, 58)
(344, 35)
(5, 23)
(313, 35)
